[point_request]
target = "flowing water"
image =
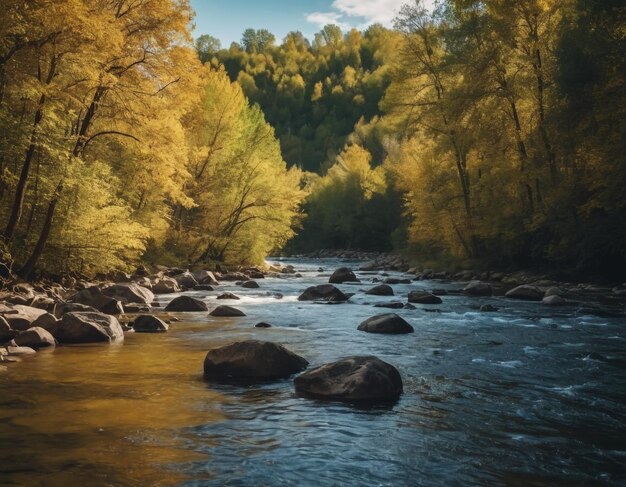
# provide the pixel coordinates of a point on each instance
(524, 396)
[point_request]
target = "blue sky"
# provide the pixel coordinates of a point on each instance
(227, 19)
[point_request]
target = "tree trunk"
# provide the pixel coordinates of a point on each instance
(29, 267)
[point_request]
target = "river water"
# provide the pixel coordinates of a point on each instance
(526, 396)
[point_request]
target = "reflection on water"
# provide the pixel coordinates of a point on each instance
(521, 397)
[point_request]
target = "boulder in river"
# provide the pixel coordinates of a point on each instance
(423, 297)
(250, 285)
(380, 290)
(149, 324)
(390, 305)
(228, 296)
(94, 297)
(389, 323)
(341, 275)
(360, 378)
(36, 338)
(488, 308)
(61, 308)
(323, 292)
(395, 280)
(129, 293)
(252, 360)
(262, 325)
(186, 303)
(186, 280)
(227, 311)
(165, 285)
(205, 277)
(526, 292)
(80, 327)
(22, 317)
(478, 288)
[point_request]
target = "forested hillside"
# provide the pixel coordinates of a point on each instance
(486, 133)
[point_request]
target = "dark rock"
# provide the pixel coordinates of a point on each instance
(203, 287)
(118, 276)
(352, 379)
(94, 297)
(186, 280)
(478, 288)
(136, 308)
(341, 275)
(525, 292)
(35, 337)
(79, 327)
(391, 305)
(234, 276)
(20, 317)
(395, 280)
(389, 323)
(262, 325)
(61, 308)
(423, 297)
(381, 290)
(409, 306)
(129, 293)
(6, 332)
(487, 308)
(186, 303)
(323, 292)
(250, 285)
(165, 285)
(252, 360)
(227, 311)
(149, 324)
(228, 296)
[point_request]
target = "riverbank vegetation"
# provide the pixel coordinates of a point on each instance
(487, 132)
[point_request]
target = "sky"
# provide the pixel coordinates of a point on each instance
(227, 19)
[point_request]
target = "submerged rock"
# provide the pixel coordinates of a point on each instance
(252, 360)
(226, 311)
(262, 325)
(228, 296)
(186, 303)
(423, 297)
(149, 324)
(341, 275)
(250, 285)
(323, 292)
(389, 323)
(391, 305)
(380, 290)
(352, 379)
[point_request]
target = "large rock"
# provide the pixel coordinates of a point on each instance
(252, 360)
(186, 280)
(6, 332)
(341, 275)
(478, 288)
(380, 290)
(94, 297)
(526, 292)
(186, 303)
(36, 338)
(226, 311)
(323, 292)
(149, 324)
(61, 308)
(80, 327)
(205, 277)
(129, 293)
(22, 317)
(250, 285)
(165, 285)
(352, 379)
(423, 297)
(389, 323)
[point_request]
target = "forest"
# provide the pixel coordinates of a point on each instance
(484, 133)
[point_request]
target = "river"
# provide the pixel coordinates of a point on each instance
(529, 395)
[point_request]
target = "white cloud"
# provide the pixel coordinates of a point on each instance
(361, 13)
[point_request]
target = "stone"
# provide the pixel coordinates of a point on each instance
(226, 311)
(61, 308)
(149, 324)
(203, 287)
(391, 305)
(186, 303)
(45, 321)
(205, 277)
(262, 325)
(250, 285)
(555, 300)
(488, 308)
(144, 282)
(43, 302)
(341, 275)
(228, 296)
(380, 290)
(35, 338)
(323, 292)
(6, 332)
(554, 291)
(22, 317)
(423, 297)
(129, 293)
(525, 292)
(186, 280)
(234, 276)
(389, 323)
(14, 350)
(80, 327)
(358, 379)
(94, 297)
(118, 276)
(165, 285)
(252, 360)
(478, 288)
(395, 280)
